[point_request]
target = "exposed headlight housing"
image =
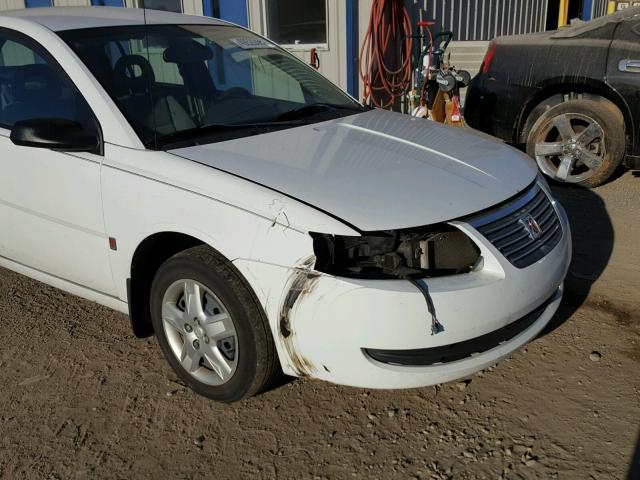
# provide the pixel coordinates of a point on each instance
(412, 253)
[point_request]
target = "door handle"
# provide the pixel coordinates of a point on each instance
(631, 66)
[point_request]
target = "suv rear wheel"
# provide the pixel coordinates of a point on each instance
(578, 141)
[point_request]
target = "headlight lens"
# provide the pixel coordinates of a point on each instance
(415, 253)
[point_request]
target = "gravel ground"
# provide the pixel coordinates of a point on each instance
(82, 398)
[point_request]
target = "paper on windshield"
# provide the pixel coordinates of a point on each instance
(251, 43)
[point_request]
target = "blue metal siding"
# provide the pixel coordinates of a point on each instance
(231, 10)
(599, 8)
(208, 8)
(482, 19)
(37, 3)
(486, 19)
(107, 3)
(352, 47)
(587, 10)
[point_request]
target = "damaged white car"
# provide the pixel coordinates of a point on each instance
(253, 216)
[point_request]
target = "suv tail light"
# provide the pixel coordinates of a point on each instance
(488, 58)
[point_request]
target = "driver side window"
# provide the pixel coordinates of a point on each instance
(33, 87)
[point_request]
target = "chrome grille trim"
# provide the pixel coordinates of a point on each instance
(502, 227)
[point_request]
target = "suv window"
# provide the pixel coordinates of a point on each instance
(33, 86)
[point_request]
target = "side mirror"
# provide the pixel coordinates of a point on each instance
(55, 134)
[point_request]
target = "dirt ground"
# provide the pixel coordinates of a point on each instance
(82, 398)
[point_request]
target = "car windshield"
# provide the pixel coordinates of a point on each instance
(181, 85)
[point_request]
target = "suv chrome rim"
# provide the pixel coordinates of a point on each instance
(570, 148)
(200, 332)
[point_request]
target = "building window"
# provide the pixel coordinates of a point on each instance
(166, 5)
(107, 3)
(295, 22)
(37, 3)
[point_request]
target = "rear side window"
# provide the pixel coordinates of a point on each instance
(33, 86)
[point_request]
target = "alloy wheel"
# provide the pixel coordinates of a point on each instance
(571, 148)
(200, 332)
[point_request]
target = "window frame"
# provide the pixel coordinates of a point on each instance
(42, 52)
(302, 47)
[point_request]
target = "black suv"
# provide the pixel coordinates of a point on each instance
(570, 97)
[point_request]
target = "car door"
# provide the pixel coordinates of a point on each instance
(623, 69)
(50, 201)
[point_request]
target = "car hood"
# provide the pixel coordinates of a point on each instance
(377, 170)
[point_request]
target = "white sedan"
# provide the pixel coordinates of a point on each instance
(256, 218)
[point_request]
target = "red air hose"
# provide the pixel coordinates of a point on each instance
(385, 55)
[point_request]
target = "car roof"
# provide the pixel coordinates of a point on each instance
(579, 27)
(74, 18)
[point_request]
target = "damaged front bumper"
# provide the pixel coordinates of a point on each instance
(357, 332)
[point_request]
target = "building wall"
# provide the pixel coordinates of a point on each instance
(473, 20)
(333, 55)
(599, 8)
(474, 23)
(11, 4)
(70, 3)
(192, 7)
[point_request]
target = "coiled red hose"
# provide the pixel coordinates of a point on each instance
(385, 55)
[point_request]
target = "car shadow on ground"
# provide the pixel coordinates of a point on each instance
(634, 467)
(622, 170)
(592, 236)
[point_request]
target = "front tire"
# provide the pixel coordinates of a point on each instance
(579, 141)
(210, 326)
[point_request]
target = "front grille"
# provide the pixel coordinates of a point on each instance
(506, 227)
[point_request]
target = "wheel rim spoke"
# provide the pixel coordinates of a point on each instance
(218, 363)
(563, 124)
(190, 357)
(219, 326)
(590, 159)
(172, 315)
(565, 167)
(546, 149)
(193, 300)
(589, 134)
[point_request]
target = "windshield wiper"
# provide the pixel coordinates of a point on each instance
(191, 134)
(314, 108)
